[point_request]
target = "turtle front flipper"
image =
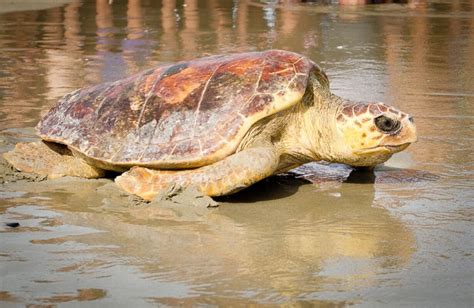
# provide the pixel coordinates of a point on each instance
(50, 159)
(224, 177)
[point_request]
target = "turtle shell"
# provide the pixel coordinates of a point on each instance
(181, 115)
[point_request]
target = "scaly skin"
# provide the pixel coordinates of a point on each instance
(51, 160)
(224, 177)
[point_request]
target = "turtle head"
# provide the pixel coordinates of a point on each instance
(370, 133)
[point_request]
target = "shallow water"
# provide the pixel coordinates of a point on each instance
(400, 236)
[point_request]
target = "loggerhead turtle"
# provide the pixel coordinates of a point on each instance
(219, 123)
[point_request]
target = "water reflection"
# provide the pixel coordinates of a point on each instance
(411, 3)
(431, 70)
(40, 49)
(338, 240)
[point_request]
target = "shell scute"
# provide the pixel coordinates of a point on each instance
(258, 103)
(181, 115)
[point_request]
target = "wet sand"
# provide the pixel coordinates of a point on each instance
(175, 203)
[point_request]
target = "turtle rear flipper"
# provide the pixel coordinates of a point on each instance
(50, 159)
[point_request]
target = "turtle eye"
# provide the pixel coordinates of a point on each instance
(386, 124)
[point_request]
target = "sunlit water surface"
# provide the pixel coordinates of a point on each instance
(400, 236)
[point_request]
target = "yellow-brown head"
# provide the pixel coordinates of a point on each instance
(372, 132)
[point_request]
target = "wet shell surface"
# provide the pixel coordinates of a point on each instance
(181, 115)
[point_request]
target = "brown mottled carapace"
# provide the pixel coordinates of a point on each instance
(182, 115)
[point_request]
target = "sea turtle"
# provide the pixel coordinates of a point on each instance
(219, 123)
